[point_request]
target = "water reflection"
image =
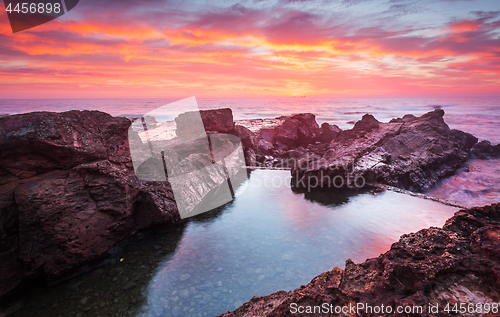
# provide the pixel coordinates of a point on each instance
(268, 239)
(329, 198)
(271, 238)
(114, 289)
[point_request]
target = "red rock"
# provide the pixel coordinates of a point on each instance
(69, 193)
(411, 153)
(214, 120)
(484, 150)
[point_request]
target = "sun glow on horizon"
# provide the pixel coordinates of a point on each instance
(252, 49)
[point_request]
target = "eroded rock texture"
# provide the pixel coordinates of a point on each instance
(409, 152)
(68, 193)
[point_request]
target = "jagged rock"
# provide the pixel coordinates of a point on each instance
(219, 120)
(410, 153)
(296, 130)
(216, 120)
(328, 133)
(39, 142)
(69, 193)
(367, 123)
(485, 149)
(456, 264)
(248, 139)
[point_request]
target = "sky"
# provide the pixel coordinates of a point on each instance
(348, 48)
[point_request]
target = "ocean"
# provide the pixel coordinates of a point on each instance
(477, 115)
(478, 183)
(220, 259)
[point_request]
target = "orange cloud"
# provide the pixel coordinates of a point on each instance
(239, 51)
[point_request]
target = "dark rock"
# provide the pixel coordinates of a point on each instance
(250, 157)
(412, 153)
(219, 120)
(69, 194)
(296, 130)
(285, 133)
(265, 147)
(406, 118)
(456, 264)
(248, 139)
(328, 132)
(128, 286)
(485, 150)
(39, 142)
(366, 124)
(216, 120)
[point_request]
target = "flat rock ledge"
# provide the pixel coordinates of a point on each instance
(459, 263)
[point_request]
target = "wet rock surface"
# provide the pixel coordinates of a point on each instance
(410, 153)
(274, 141)
(484, 150)
(455, 264)
(68, 194)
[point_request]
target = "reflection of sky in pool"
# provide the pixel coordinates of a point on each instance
(270, 239)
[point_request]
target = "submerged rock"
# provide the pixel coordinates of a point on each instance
(455, 264)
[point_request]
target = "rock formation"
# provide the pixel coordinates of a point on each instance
(276, 140)
(410, 153)
(215, 121)
(68, 190)
(68, 193)
(484, 150)
(458, 263)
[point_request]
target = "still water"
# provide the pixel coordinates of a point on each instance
(268, 239)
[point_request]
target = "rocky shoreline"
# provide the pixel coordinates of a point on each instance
(69, 193)
(435, 267)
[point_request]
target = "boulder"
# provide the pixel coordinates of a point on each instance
(248, 139)
(455, 264)
(214, 121)
(39, 142)
(296, 130)
(218, 120)
(328, 132)
(485, 150)
(68, 193)
(411, 153)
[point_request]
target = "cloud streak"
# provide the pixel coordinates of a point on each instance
(171, 48)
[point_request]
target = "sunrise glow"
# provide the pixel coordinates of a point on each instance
(117, 49)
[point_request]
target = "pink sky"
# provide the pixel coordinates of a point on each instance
(116, 49)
